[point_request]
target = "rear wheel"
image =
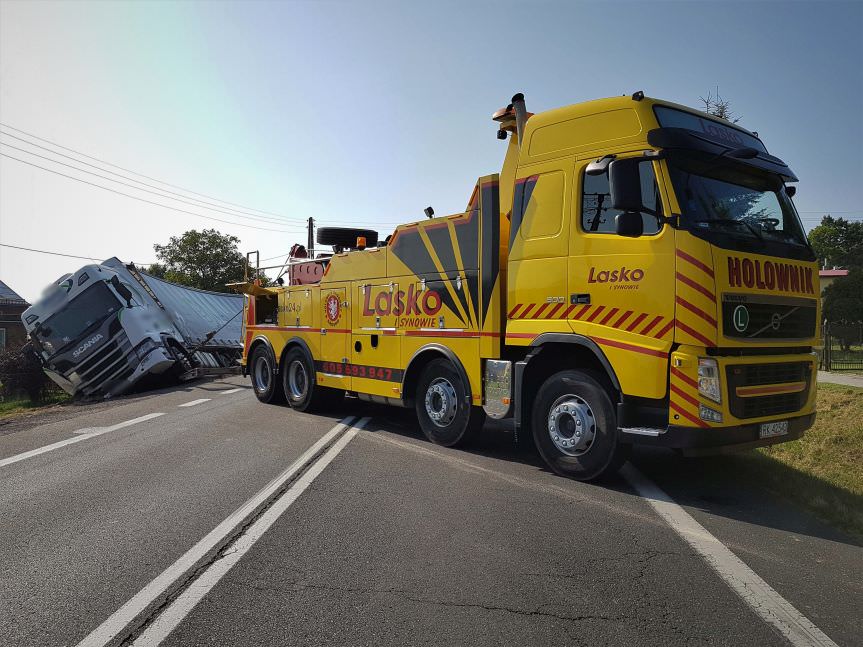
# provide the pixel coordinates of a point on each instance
(443, 406)
(575, 427)
(262, 369)
(300, 386)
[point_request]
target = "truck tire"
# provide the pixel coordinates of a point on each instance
(300, 387)
(575, 427)
(262, 369)
(443, 408)
(345, 237)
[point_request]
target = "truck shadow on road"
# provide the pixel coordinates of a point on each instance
(747, 487)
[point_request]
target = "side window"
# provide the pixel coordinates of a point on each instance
(597, 216)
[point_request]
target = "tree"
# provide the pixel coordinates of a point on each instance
(843, 305)
(838, 242)
(202, 259)
(717, 106)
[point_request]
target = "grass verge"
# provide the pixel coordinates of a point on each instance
(15, 407)
(826, 465)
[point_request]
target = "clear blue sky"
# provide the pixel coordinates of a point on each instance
(367, 112)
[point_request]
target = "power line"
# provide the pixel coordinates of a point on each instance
(164, 206)
(42, 251)
(48, 141)
(215, 207)
(131, 186)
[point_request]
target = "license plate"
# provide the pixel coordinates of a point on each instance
(770, 429)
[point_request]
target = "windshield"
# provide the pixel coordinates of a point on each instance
(84, 311)
(729, 202)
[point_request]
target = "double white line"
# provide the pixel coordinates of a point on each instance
(239, 532)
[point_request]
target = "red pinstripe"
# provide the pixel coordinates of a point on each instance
(623, 318)
(632, 347)
(568, 310)
(695, 286)
(595, 313)
(580, 313)
(694, 261)
(665, 329)
(610, 314)
(550, 315)
(651, 325)
(696, 310)
(694, 333)
(696, 421)
(680, 375)
(540, 311)
(636, 321)
(683, 394)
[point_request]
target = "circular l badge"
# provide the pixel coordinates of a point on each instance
(740, 318)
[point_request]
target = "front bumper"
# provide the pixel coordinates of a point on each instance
(696, 441)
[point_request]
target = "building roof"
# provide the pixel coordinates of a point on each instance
(828, 273)
(8, 295)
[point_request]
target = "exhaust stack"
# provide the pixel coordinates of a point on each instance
(520, 116)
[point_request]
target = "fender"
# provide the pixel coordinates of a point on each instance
(560, 338)
(298, 341)
(579, 340)
(260, 339)
(451, 356)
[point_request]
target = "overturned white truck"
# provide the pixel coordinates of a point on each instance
(108, 326)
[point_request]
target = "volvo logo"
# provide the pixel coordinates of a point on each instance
(86, 345)
(776, 321)
(741, 318)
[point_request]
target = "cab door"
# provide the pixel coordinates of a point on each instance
(621, 289)
(334, 364)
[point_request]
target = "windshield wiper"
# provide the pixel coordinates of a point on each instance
(725, 221)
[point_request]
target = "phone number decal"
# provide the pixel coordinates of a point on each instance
(360, 370)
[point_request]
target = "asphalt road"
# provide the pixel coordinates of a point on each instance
(230, 522)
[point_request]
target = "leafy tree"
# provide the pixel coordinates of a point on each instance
(202, 259)
(838, 242)
(718, 106)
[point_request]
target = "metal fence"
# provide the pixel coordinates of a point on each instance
(843, 347)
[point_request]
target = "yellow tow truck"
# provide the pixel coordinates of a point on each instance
(636, 274)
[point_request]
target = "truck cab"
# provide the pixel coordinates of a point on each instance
(667, 243)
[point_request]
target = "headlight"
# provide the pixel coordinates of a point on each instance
(708, 379)
(145, 348)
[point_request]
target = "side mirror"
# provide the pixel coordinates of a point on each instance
(790, 191)
(629, 224)
(624, 185)
(124, 292)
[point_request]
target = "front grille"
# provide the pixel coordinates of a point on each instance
(746, 317)
(762, 375)
(108, 364)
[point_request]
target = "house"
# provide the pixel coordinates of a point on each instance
(12, 305)
(829, 276)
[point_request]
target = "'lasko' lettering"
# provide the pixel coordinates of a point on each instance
(412, 302)
(622, 275)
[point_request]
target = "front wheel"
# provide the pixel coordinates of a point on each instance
(575, 428)
(300, 386)
(262, 369)
(443, 406)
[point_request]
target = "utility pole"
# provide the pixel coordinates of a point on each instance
(311, 242)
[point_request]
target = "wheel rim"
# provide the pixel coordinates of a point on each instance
(571, 425)
(262, 374)
(441, 402)
(298, 380)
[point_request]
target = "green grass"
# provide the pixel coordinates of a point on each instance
(825, 471)
(15, 407)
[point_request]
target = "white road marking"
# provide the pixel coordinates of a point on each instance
(168, 620)
(194, 402)
(81, 434)
(758, 594)
(168, 579)
(229, 391)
